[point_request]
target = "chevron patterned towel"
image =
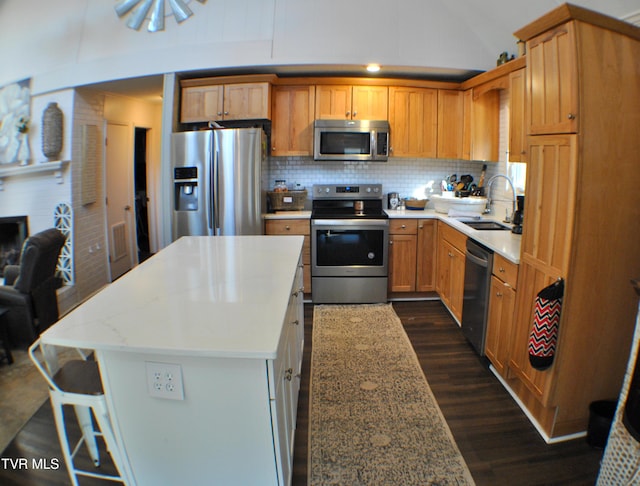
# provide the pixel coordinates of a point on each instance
(544, 333)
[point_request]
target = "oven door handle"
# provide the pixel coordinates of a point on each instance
(350, 222)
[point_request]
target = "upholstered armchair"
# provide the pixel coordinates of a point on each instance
(30, 287)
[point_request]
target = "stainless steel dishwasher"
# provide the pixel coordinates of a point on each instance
(477, 281)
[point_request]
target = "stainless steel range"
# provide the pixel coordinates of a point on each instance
(349, 244)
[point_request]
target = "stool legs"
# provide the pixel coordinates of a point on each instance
(84, 420)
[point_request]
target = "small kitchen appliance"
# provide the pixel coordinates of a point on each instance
(518, 216)
(357, 140)
(349, 244)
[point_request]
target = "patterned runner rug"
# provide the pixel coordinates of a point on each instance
(373, 419)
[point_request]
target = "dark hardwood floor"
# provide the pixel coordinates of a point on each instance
(497, 441)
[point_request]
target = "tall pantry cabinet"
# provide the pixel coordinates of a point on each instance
(582, 208)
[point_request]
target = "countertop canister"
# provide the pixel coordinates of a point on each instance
(52, 131)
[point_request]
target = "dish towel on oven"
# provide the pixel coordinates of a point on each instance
(544, 333)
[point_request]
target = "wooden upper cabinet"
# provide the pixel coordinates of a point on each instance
(346, 102)
(202, 102)
(370, 103)
(450, 123)
(413, 117)
(552, 82)
(517, 122)
(247, 101)
(292, 120)
(481, 125)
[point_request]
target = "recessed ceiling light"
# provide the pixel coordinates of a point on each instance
(373, 68)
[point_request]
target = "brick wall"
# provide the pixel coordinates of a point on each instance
(90, 245)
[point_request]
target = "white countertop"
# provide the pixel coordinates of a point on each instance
(288, 215)
(506, 243)
(200, 296)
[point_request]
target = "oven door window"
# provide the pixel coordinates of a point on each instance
(348, 247)
(345, 143)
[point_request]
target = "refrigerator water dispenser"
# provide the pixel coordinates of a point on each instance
(185, 186)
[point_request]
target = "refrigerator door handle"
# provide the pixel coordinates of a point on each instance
(215, 201)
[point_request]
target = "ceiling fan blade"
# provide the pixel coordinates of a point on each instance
(157, 17)
(180, 10)
(139, 14)
(124, 6)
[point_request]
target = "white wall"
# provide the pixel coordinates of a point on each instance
(77, 42)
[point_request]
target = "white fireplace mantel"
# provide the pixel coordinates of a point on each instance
(54, 167)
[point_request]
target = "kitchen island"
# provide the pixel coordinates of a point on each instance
(200, 351)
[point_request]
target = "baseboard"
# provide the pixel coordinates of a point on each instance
(532, 419)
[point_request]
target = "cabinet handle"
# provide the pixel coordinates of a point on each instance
(403, 226)
(571, 116)
(296, 322)
(451, 254)
(287, 227)
(498, 294)
(273, 149)
(391, 242)
(288, 374)
(420, 227)
(226, 112)
(219, 113)
(501, 269)
(355, 114)
(348, 114)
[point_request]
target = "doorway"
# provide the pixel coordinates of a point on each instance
(141, 194)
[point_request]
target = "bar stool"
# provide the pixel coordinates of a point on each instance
(78, 383)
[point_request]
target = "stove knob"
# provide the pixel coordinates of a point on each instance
(327, 190)
(368, 189)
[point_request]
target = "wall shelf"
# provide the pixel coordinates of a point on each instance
(54, 167)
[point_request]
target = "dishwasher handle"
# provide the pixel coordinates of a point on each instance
(483, 262)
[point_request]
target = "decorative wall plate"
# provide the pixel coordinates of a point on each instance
(154, 10)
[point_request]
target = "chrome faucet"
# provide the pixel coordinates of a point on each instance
(507, 218)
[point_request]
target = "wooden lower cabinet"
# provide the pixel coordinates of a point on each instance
(426, 255)
(450, 273)
(402, 255)
(298, 226)
(412, 255)
(502, 302)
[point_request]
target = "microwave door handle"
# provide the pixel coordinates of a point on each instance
(374, 144)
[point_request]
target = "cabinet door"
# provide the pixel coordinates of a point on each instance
(413, 117)
(450, 123)
(457, 282)
(451, 277)
(517, 123)
(246, 101)
(292, 120)
(546, 243)
(426, 257)
(370, 103)
(485, 125)
(552, 82)
(550, 202)
(201, 103)
(499, 324)
(402, 263)
(333, 102)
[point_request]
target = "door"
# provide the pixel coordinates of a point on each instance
(119, 192)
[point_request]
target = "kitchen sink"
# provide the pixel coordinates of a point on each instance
(487, 225)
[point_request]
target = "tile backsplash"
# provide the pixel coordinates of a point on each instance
(409, 177)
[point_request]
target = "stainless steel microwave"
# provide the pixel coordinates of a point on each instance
(359, 140)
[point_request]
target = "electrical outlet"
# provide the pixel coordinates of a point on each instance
(164, 380)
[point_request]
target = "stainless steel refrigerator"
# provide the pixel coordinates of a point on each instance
(217, 182)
